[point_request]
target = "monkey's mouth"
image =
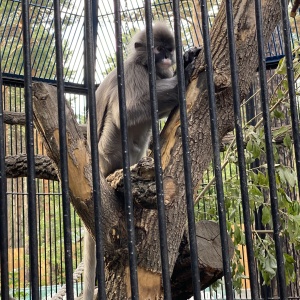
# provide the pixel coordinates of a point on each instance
(166, 63)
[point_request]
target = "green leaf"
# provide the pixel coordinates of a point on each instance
(249, 145)
(271, 265)
(280, 172)
(278, 114)
(290, 177)
(285, 84)
(289, 267)
(281, 68)
(256, 151)
(255, 191)
(296, 219)
(280, 94)
(281, 130)
(287, 175)
(241, 268)
(266, 215)
(288, 258)
(287, 141)
(262, 179)
(237, 234)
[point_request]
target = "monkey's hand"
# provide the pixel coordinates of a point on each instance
(189, 63)
(190, 55)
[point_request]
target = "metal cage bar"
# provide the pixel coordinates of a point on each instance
(186, 152)
(270, 155)
(240, 150)
(32, 213)
(63, 152)
(90, 81)
(157, 156)
(291, 84)
(3, 204)
(216, 153)
(125, 152)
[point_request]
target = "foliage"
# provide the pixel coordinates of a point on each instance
(258, 187)
(41, 35)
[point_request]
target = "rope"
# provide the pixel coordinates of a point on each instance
(62, 292)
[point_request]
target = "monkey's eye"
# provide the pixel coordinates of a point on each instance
(159, 48)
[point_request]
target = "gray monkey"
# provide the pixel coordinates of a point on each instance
(138, 115)
(137, 99)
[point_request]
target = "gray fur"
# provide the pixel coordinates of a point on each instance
(138, 117)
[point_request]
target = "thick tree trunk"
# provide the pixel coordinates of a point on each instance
(113, 223)
(209, 260)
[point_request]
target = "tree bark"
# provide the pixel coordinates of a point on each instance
(16, 166)
(18, 118)
(209, 260)
(14, 118)
(113, 223)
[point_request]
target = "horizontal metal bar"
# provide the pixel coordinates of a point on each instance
(77, 88)
(13, 79)
(272, 61)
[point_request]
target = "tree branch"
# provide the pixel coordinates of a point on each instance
(14, 118)
(18, 118)
(16, 166)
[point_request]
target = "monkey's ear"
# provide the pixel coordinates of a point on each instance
(138, 45)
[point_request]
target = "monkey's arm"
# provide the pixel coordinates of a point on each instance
(167, 95)
(167, 89)
(139, 107)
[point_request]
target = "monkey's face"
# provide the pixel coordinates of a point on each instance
(164, 56)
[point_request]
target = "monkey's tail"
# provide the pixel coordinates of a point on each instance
(76, 275)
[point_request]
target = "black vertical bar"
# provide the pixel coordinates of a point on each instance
(32, 216)
(63, 152)
(269, 152)
(3, 203)
(157, 156)
(186, 153)
(216, 153)
(240, 150)
(90, 81)
(95, 25)
(250, 115)
(126, 162)
(291, 83)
